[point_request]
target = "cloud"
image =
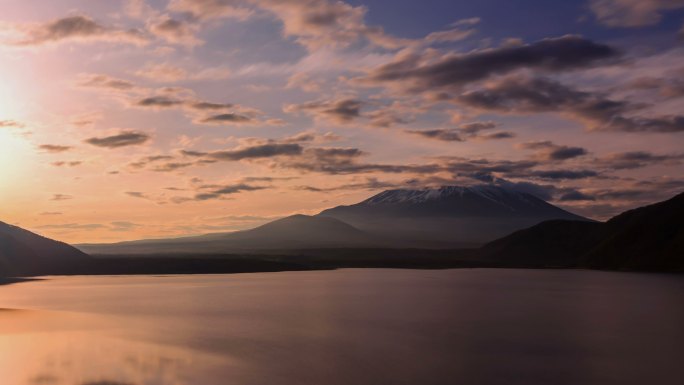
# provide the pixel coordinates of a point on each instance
(11, 124)
(143, 162)
(123, 226)
(467, 131)
(521, 94)
(211, 9)
(138, 9)
(637, 159)
(73, 163)
(226, 119)
(54, 148)
(632, 13)
(216, 192)
(576, 196)
(562, 174)
(61, 197)
(268, 150)
(344, 110)
(446, 135)
(74, 226)
(549, 151)
(457, 33)
(122, 139)
(159, 102)
(77, 28)
(418, 73)
(105, 82)
(175, 31)
(162, 72)
(137, 194)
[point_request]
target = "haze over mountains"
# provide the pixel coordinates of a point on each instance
(446, 217)
(650, 238)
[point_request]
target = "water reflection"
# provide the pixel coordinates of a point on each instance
(345, 327)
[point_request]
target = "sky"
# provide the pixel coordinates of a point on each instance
(135, 119)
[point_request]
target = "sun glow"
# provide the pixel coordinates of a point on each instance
(13, 151)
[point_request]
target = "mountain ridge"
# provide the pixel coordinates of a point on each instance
(648, 238)
(24, 252)
(431, 218)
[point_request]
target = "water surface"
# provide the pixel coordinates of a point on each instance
(355, 326)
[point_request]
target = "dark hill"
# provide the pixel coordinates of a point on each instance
(25, 253)
(649, 238)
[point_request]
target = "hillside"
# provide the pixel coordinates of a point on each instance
(649, 238)
(25, 253)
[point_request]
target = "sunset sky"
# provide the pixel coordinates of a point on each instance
(132, 119)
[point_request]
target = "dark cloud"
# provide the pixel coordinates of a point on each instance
(468, 131)
(267, 150)
(576, 196)
(77, 28)
(563, 174)
(447, 135)
(216, 192)
(54, 148)
(453, 71)
(137, 194)
(525, 95)
(550, 151)
(141, 163)
(173, 166)
(475, 127)
(637, 159)
(495, 135)
(228, 118)
(159, 102)
(208, 106)
(123, 139)
(339, 111)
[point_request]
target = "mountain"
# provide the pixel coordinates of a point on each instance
(447, 217)
(294, 232)
(556, 243)
(450, 216)
(649, 238)
(25, 253)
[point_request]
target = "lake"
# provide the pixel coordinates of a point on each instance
(351, 326)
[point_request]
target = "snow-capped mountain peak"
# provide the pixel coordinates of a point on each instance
(496, 194)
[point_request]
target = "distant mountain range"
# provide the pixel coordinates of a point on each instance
(650, 238)
(290, 233)
(447, 217)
